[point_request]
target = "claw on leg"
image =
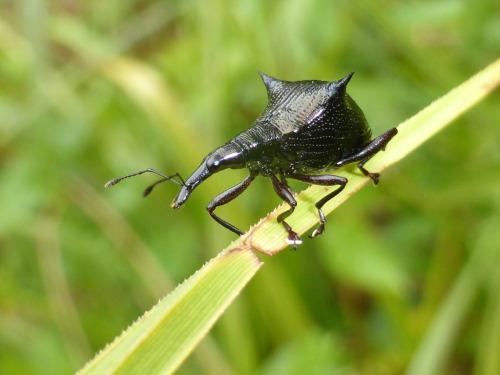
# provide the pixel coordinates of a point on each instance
(321, 228)
(293, 238)
(374, 176)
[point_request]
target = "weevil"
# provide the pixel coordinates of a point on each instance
(307, 129)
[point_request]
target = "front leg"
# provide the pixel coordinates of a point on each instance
(226, 197)
(325, 180)
(286, 194)
(368, 152)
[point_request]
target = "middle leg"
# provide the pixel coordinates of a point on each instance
(285, 193)
(325, 180)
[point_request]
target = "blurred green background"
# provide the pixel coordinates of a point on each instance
(404, 276)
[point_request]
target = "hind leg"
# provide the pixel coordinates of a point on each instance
(368, 152)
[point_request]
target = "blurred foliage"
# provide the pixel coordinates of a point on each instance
(92, 90)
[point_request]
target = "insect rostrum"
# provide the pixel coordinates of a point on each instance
(307, 128)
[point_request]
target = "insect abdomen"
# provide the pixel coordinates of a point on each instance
(339, 132)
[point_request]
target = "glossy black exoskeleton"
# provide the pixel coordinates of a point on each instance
(308, 127)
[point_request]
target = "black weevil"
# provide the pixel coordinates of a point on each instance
(307, 127)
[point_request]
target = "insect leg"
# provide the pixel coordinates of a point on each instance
(286, 194)
(226, 197)
(285, 182)
(325, 180)
(368, 152)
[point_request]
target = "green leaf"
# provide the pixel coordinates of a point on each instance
(161, 339)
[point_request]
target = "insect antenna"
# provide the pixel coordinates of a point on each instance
(151, 187)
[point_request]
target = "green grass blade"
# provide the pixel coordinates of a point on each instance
(487, 359)
(437, 344)
(161, 339)
(269, 237)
